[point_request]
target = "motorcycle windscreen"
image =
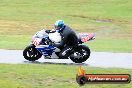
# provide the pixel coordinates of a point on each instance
(84, 37)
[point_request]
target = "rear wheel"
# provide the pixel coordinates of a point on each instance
(31, 53)
(81, 54)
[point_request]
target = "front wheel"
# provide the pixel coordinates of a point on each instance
(81, 54)
(31, 53)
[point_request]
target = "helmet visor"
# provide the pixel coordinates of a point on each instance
(57, 27)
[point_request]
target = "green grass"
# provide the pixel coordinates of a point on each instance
(110, 19)
(39, 10)
(52, 76)
(111, 45)
(14, 41)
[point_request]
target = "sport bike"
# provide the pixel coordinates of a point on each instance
(42, 44)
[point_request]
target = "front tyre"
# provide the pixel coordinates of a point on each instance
(31, 53)
(81, 54)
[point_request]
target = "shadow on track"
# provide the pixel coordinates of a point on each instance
(37, 62)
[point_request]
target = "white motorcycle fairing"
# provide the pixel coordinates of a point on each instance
(55, 37)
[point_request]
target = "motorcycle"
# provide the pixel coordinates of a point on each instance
(43, 44)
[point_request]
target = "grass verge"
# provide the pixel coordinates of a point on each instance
(52, 76)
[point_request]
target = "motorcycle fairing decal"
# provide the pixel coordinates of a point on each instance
(36, 41)
(84, 39)
(86, 36)
(46, 50)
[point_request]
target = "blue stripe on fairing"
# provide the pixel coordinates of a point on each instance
(46, 50)
(46, 37)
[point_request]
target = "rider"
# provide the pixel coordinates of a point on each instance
(69, 38)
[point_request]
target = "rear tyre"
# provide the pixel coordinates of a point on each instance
(31, 53)
(81, 54)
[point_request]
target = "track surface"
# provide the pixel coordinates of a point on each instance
(97, 59)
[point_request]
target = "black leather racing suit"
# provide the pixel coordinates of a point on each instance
(69, 39)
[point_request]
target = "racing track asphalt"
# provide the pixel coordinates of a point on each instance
(97, 59)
